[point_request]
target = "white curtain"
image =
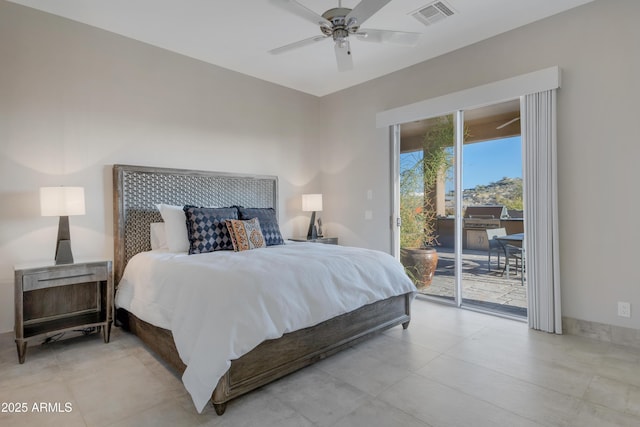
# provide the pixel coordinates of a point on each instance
(538, 113)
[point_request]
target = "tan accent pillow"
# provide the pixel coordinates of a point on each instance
(245, 234)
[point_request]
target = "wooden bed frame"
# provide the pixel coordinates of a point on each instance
(136, 191)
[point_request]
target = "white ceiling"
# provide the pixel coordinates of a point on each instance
(237, 34)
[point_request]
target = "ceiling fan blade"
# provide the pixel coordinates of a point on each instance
(507, 123)
(384, 36)
(343, 56)
(302, 11)
(297, 44)
(365, 10)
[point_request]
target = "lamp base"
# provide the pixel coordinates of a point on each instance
(63, 252)
(63, 245)
(312, 233)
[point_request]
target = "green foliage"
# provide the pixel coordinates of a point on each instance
(418, 183)
(437, 160)
(511, 203)
(412, 220)
(514, 201)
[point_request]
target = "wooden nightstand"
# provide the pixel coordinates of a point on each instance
(326, 240)
(53, 298)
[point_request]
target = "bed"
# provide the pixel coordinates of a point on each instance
(137, 191)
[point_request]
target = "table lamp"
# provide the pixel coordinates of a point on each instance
(312, 203)
(62, 202)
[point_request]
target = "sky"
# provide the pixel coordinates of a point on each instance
(484, 162)
(490, 161)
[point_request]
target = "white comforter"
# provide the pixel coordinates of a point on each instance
(221, 305)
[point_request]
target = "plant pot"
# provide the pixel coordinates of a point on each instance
(420, 264)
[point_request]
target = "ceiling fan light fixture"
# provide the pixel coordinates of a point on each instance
(340, 35)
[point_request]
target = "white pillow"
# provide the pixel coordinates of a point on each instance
(158, 236)
(175, 226)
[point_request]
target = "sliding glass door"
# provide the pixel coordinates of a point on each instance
(427, 212)
(461, 185)
(493, 213)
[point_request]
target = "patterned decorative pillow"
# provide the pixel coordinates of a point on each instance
(246, 234)
(207, 229)
(268, 223)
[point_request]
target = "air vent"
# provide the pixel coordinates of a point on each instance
(432, 13)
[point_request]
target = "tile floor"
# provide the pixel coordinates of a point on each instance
(450, 368)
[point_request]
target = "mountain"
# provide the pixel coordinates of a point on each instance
(507, 191)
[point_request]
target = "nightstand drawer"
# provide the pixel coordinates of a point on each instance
(63, 277)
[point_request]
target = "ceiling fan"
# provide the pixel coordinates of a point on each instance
(341, 22)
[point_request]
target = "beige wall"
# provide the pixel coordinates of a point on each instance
(597, 48)
(74, 100)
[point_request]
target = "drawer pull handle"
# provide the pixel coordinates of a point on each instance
(66, 277)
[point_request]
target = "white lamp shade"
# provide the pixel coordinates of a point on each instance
(311, 202)
(61, 201)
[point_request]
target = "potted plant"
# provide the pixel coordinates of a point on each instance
(418, 210)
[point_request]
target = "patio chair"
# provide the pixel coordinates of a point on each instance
(517, 254)
(495, 246)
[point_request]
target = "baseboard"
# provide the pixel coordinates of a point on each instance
(601, 331)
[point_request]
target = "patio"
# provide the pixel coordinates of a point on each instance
(480, 287)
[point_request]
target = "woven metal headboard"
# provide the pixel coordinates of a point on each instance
(138, 189)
